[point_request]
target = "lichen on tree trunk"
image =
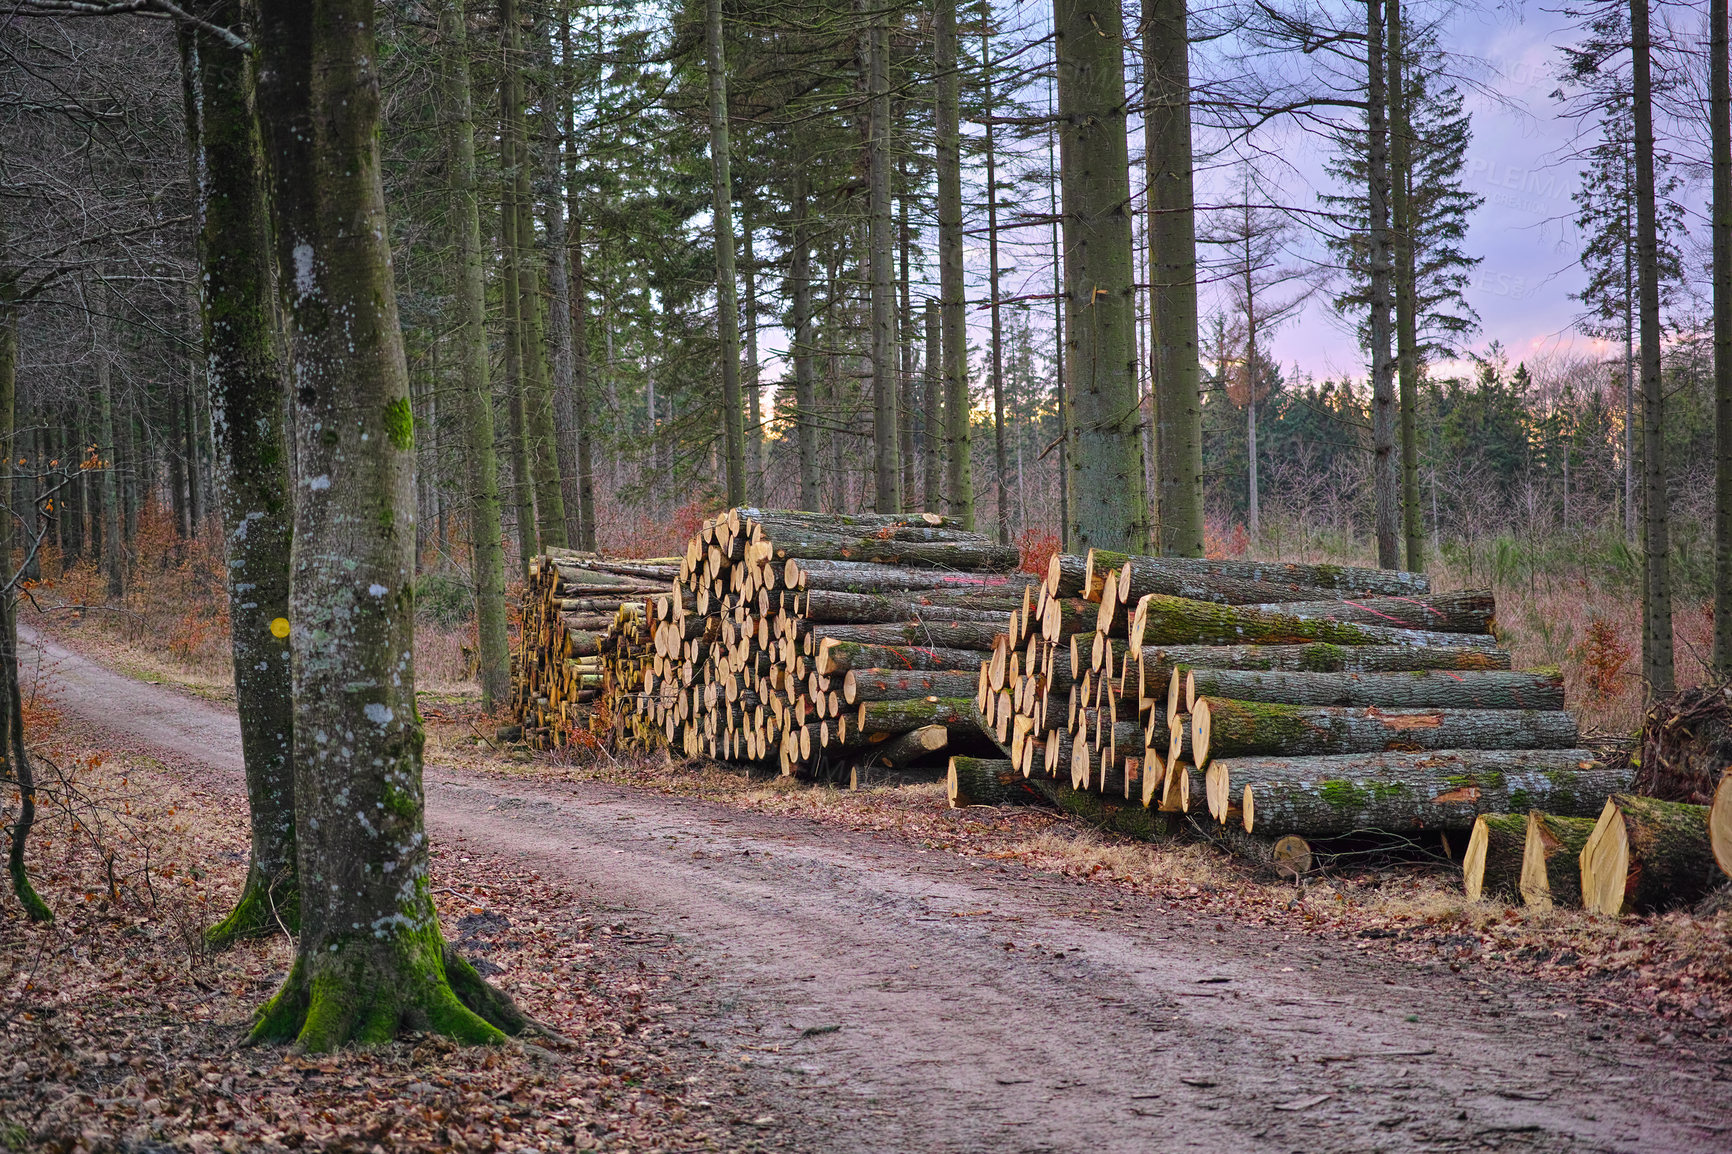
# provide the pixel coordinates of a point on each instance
(370, 961)
(247, 388)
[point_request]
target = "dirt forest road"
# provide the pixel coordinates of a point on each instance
(983, 1007)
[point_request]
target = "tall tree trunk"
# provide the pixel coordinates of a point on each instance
(800, 295)
(559, 317)
(523, 485)
(1000, 458)
(370, 961)
(1107, 469)
(754, 399)
(1253, 511)
(537, 393)
(194, 482)
(1060, 315)
(727, 302)
(1657, 668)
(953, 320)
(1385, 488)
(1720, 69)
(113, 546)
(1173, 276)
(487, 551)
(906, 403)
(581, 380)
(176, 465)
(840, 418)
(1406, 303)
(249, 393)
(886, 467)
(932, 400)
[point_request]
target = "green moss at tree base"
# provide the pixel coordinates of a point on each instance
(262, 911)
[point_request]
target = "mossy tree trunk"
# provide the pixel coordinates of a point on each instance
(248, 389)
(487, 548)
(1108, 496)
(1720, 82)
(370, 962)
(1552, 860)
(1492, 865)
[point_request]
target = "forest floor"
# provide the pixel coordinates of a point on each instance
(742, 962)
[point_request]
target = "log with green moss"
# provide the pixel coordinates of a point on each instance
(1409, 792)
(988, 781)
(1311, 581)
(1066, 574)
(1720, 823)
(1415, 689)
(1461, 612)
(1162, 620)
(1143, 575)
(1222, 727)
(1491, 867)
(1064, 616)
(914, 712)
(1126, 818)
(958, 552)
(1551, 873)
(1157, 661)
(1647, 856)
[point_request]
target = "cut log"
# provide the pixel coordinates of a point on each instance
(1289, 581)
(913, 713)
(1646, 856)
(988, 781)
(1065, 575)
(1161, 620)
(1227, 728)
(862, 777)
(1157, 662)
(895, 684)
(1720, 824)
(826, 606)
(976, 635)
(1064, 616)
(838, 657)
(1419, 689)
(1140, 576)
(1408, 792)
(1492, 865)
(901, 752)
(1464, 612)
(1552, 859)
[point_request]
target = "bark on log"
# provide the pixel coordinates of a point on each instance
(873, 717)
(1492, 865)
(1419, 689)
(868, 577)
(903, 751)
(1143, 575)
(1466, 612)
(1646, 856)
(1720, 824)
(988, 781)
(827, 606)
(1341, 580)
(895, 684)
(1064, 616)
(975, 635)
(1407, 792)
(1552, 859)
(1225, 728)
(1157, 662)
(1161, 620)
(838, 657)
(1065, 575)
(941, 555)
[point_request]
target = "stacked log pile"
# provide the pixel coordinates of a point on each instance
(1307, 700)
(579, 612)
(831, 647)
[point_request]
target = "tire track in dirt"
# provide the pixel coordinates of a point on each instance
(983, 1007)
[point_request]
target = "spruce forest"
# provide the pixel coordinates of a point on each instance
(741, 576)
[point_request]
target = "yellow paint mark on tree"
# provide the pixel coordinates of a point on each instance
(280, 627)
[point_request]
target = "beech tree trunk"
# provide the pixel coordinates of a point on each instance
(727, 299)
(1657, 668)
(1107, 491)
(1162, 620)
(369, 962)
(1420, 689)
(988, 781)
(1720, 120)
(1173, 272)
(1222, 727)
(953, 321)
(1646, 856)
(248, 389)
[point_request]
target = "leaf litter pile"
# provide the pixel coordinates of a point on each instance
(119, 1031)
